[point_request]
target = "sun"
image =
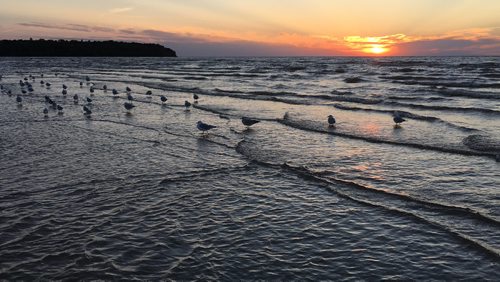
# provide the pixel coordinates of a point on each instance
(376, 49)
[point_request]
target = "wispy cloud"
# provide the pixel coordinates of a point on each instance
(121, 10)
(71, 27)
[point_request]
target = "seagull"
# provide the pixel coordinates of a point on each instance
(81, 84)
(196, 97)
(87, 111)
(48, 84)
(23, 91)
(128, 106)
(19, 99)
(64, 86)
(89, 100)
(115, 92)
(398, 119)
(41, 82)
(331, 120)
(46, 112)
(204, 127)
(249, 121)
(75, 99)
(128, 89)
(91, 91)
(47, 98)
(60, 109)
(105, 87)
(129, 97)
(54, 105)
(163, 99)
(187, 105)
(21, 83)
(87, 78)
(64, 92)
(149, 92)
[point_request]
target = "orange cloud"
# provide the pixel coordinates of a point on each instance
(374, 44)
(454, 41)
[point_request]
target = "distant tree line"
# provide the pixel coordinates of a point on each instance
(75, 48)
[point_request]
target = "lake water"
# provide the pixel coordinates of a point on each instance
(145, 195)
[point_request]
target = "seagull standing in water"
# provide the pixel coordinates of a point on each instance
(46, 112)
(19, 100)
(75, 99)
(398, 119)
(128, 106)
(163, 99)
(204, 127)
(187, 105)
(59, 109)
(195, 97)
(331, 121)
(249, 121)
(87, 111)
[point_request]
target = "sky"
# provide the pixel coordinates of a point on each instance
(267, 27)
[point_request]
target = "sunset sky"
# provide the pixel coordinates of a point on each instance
(268, 27)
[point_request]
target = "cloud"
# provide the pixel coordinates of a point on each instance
(121, 10)
(475, 41)
(49, 26)
(71, 27)
(478, 41)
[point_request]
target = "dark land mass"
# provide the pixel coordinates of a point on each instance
(75, 48)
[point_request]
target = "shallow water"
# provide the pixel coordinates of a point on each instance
(143, 195)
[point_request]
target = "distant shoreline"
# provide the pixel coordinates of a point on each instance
(75, 48)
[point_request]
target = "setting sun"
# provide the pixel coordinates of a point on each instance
(376, 49)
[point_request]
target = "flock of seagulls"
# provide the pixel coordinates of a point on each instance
(26, 87)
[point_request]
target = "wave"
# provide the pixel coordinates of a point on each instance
(443, 108)
(406, 77)
(457, 148)
(441, 215)
(405, 114)
(406, 70)
(471, 84)
(337, 92)
(467, 93)
(416, 98)
(304, 99)
(482, 143)
(194, 78)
